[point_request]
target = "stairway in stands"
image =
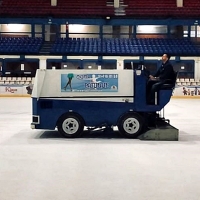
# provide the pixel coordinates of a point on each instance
(119, 11)
(46, 48)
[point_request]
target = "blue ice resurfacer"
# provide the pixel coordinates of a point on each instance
(73, 99)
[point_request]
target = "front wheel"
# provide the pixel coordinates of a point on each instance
(70, 125)
(130, 125)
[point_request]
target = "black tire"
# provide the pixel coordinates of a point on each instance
(70, 125)
(130, 125)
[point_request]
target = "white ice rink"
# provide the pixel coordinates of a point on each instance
(39, 165)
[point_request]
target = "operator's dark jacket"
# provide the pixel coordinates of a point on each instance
(166, 75)
(165, 72)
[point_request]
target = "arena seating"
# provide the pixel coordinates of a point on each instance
(162, 9)
(151, 3)
(64, 8)
(30, 80)
(16, 80)
(123, 46)
(97, 46)
(86, 7)
(24, 8)
(191, 3)
(188, 82)
(17, 45)
(133, 8)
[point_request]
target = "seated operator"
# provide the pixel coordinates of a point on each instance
(165, 74)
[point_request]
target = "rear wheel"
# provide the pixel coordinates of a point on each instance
(130, 125)
(70, 125)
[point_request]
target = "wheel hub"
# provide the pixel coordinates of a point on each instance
(70, 125)
(131, 125)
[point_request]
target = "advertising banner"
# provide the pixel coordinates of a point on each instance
(15, 90)
(75, 82)
(187, 91)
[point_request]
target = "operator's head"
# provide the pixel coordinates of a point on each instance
(165, 57)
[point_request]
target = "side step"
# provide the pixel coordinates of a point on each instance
(164, 131)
